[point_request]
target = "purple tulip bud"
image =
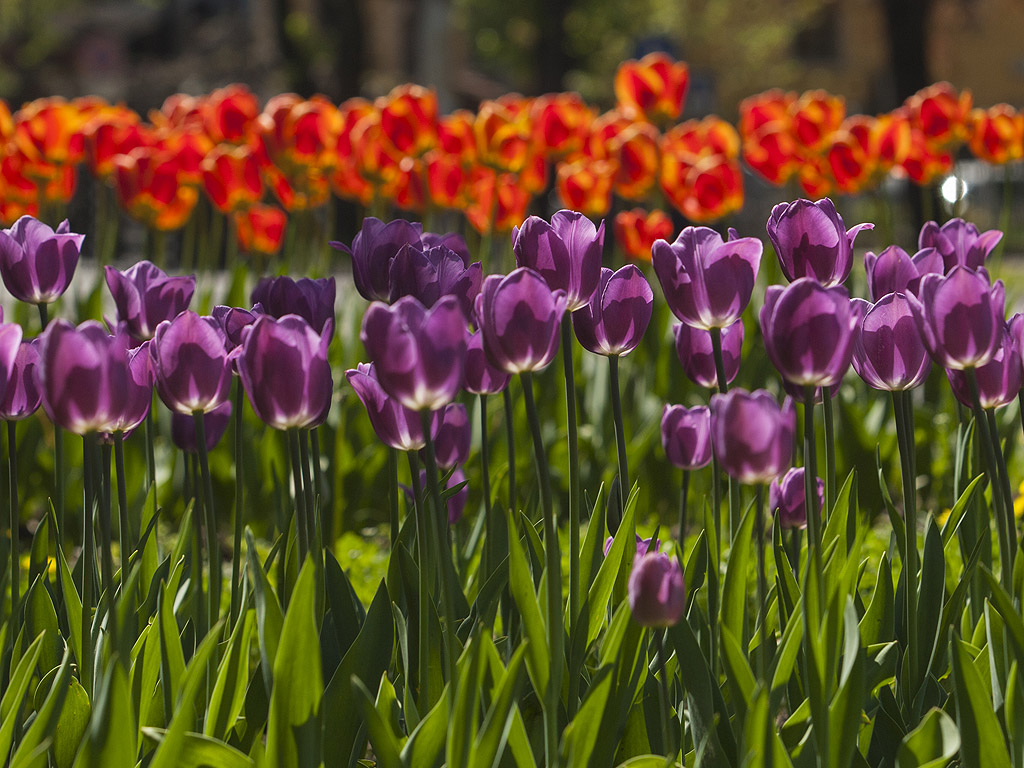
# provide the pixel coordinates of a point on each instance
(284, 370)
(657, 594)
(566, 253)
(482, 378)
(90, 381)
(618, 314)
(419, 353)
(191, 364)
(145, 296)
(10, 343)
(809, 331)
(786, 498)
(519, 317)
(432, 273)
(811, 240)
(693, 347)
(686, 435)
(22, 397)
(452, 436)
(215, 424)
(959, 243)
(395, 425)
(373, 250)
(960, 317)
(888, 352)
(139, 392)
(999, 380)
(453, 241)
(312, 300)
(707, 282)
(234, 321)
(643, 546)
(893, 271)
(751, 435)
(36, 262)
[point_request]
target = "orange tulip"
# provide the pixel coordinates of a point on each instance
(636, 231)
(12, 210)
(997, 134)
(446, 180)
(409, 118)
(260, 229)
(816, 116)
(229, 114)
(586, 186)
(924, 162)
(851, 155)
(455, 136)
(892, 138)
(6, 122)
(496, 196)
(603, 132)
(180, 110)
(710, 136)
(637, 160)
(772, 153)
(106, 137)
(345, 178)
(147, 186)
(771, 108)
(50, 131)
(560, 123)
(940, 114)
(702, 189)
(189, 145)
(816, 176)
(300, 135)
(231, 178)
(33, 182)
(502, 135)
(654, 87)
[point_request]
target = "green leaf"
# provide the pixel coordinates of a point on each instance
(956, 514)
(72, 605)
(898, 527)
(618, 560)
(581, 735)
(518, 741)
(932, 744)
(110, 739)
(10, 705)
(427, 741)
(293, 730)
(31, 752)
(737, 668)
(71, 727)
(845, 710)
(981, 737)
(498, 722)
(196, 751)
(538, 660)
(734, 588)
(462, 734)
(269, 618)
(228, 696)
(385, 747)
(931, 598)
(879, 621)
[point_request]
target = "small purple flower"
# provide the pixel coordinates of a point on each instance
(617, 316)
(191, 364)
(809, 331)
(786, 498)
(888, 352)
(419, 353)
(707, 281)
(643, 546)
(312, 300)
(686, 435)
(234, 321)
(482, 378)
(284, 370)
(566, 253)
(396, 426)
(145, 296)
(959, 243)
(36, 262)
(431, 273)
(894, 271)
(693, 347)
(452, 436)
(811, 240)
(519, 317)
(22, 397)
(751, 435)
(960, 317)
(215, 424)
(373, 250)
(657, 594)
(999, 380)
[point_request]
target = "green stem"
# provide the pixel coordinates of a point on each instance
(128, 541)
(107, 557)
(88, 561)
(574, 468)
(393, 495)
(318, 487)
(811, 490)
(830, 452)
(199, 614)
(683, 499)
(423, 597)
(762, 585)
(490, 555)
(620, 436)
(301, 534)
(723, 387)
(910, 582)
(1004, 480)
(510, 439)
(213, 555)
(15, 516)
(668, 731)
(150, 460)
(236, 540)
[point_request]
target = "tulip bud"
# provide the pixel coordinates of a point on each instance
(786, 498)
(657, 594)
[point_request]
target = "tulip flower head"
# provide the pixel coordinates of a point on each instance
(686, 435)
(395, 425)
(432, 272)
(190, 362)
(811, 240)
(696, 354)
(23, 396)
(657, 593)
(373, 250)
(888, 352)
(145, 296)
(566, 253)
(786, 498)
(959, 243)
(751, 435)
(999, 380)
(482, 378)
(894, 271)
(37, 262)
(452, 436)
(10, 345)
(312, 300)
(617, 316)
(643, 546)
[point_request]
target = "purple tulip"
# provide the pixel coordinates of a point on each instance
(482, 378)
(618, 314)
(686, 435)
(566, 253)
(432, 273)
(707, 281)
(139, 392)
(191, 364)
(643, 546)
(395, 425)
(999, 380)
(419, 353)
(284, 370)
(786, 498)
(809, 331)
(798, 393)
(452, 436)
(751, 435)
(960, 317)
(657, 594)
(888, 352)
(453, 241)
(145, 296)
(519, 317)
(893, 271)
(312, 300)
(959, 243)
(693, 347)
(36, 262)
(811, 240)
(87, 377)
(22, 397)
(234, 321)
(215, 424)
(373, 250)
(10, 343)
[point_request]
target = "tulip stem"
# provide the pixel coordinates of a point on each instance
(659, 673)
(1004, 480)
(313, 522)
(88, 555)
(423, 597)
(393, 496)
(510, 438)
(213, 553)
(553, 566)
(128, 540)
(150, 459)
(762, 584)
(811, 490)
(905, 439)
(192, 478)
(574, 467)
(489, 556)
(683, 499)
(620, 436)
(236, 541)
(830, 451)
(723, 387)
(107, 557)
(15, 515)
(301, 533)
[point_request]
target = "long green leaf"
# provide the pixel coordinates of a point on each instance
(981, 737)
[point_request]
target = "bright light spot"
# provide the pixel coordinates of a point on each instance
(953, 189)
